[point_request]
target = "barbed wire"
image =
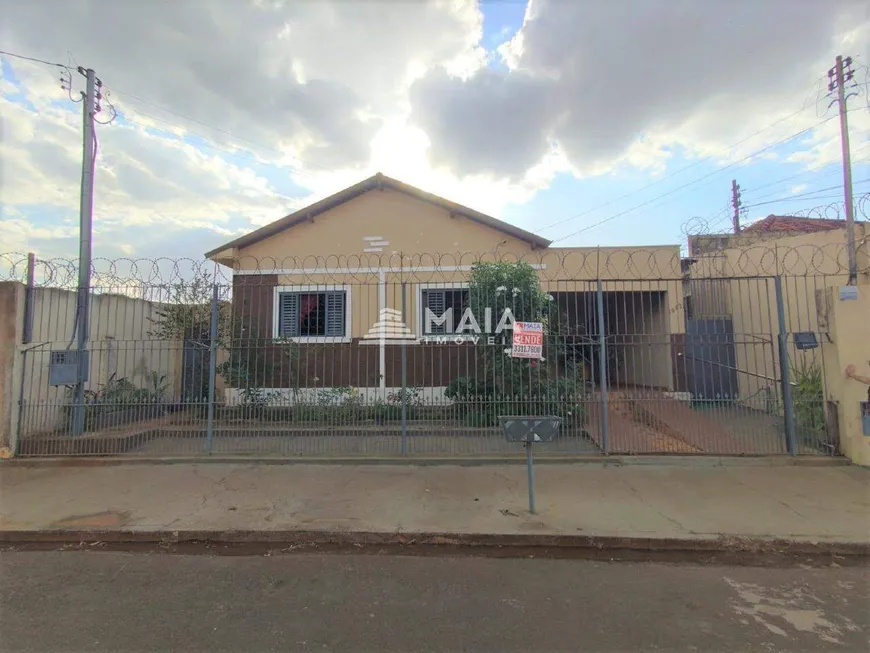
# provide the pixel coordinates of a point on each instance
(698, 226)
(715, 256)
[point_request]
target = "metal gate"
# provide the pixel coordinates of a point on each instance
(712, 358)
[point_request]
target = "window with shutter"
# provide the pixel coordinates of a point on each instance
(438, 301)
(288, 321)
(335, 314)
(312, 314)
(435, 301)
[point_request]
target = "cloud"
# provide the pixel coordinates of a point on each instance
(310, 78)
(235, 113)
(303, 87)
(596, 77)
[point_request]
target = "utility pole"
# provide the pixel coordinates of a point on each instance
(838, 76)
(85, 230)
(735, 204)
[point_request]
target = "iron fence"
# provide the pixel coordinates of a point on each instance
(345, 358)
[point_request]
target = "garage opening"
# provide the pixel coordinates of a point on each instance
(636, 333)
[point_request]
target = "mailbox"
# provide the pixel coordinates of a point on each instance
(805, 340)
(521, 428)
(529, 429)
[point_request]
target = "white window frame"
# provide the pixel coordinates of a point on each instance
(419, 319)
(310, 288)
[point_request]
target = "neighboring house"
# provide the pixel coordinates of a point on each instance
(352, 276)
(769, 228)
(730, 284)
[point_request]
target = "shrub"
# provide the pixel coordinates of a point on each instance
(466, 388)
(809, 396)
(476, 403)
(411, 396)
(118, 393)
(480, 419)
(382, 412)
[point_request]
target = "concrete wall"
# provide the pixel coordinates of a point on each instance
(120, 345)
(11, 316)
(848, 323)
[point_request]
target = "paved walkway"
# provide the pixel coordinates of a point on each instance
(799, 503)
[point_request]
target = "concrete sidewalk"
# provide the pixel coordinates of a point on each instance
(824, 504)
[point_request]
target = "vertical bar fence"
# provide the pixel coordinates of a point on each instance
(381, 360)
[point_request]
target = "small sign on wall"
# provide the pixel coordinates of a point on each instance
(848, 293)
(528, 340)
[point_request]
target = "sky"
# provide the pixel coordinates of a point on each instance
(602, 122)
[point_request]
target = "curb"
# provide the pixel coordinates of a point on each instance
(723, 549)
(687, 460)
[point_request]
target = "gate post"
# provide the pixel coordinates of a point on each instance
(602, 366)
(787, 398)
(404, 393)
(212, 366)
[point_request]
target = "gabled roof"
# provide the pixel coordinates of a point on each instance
(379, 181)
(791, 224)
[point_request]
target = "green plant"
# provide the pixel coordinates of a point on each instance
(809, 395)
(412, 396)
(118, 394)
(382, 412)
(480, 419)
(157, 388)
(466, 388)
(186, 313)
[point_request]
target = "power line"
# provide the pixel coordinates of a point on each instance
(779, 191)
(804, 195)
(804, 173)
(691, 183)
(47, 63)
(674, 174)
(180, 115)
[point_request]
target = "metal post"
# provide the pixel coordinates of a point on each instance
(404, 376)
(602, 365)
(85, 232)
(29, 299)
(26, 337)
(735, 204)
(212, 366)
(839, 75)
(787, 398)
(530, 468)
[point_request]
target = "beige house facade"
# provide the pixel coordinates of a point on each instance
(351, 281)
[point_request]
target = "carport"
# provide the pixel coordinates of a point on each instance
(636, 335)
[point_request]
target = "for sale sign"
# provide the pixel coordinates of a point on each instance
(528, 340)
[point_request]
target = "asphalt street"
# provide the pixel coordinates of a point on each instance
(100, 601)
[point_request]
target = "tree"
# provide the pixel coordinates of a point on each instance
(510, 292)
(186, 315)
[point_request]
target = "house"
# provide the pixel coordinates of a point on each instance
(769, 228)
(328, 295)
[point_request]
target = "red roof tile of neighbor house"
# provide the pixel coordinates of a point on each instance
(793, 224)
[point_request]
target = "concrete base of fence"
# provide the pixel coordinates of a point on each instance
(464, 460)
